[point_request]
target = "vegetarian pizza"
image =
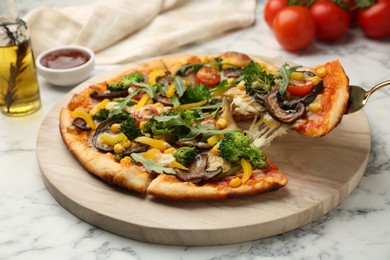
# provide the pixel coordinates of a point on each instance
(173, 128)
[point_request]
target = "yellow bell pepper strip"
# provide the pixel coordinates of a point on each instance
(170, 90)
(112, 139)
(99, 107)
(193, 105)
(143, 101)
(154, 75)
(247, 167)
(150, 154)
(179, 166)
(78, 113)
(235, 182)
(159, 144)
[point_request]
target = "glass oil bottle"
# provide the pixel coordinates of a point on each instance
(19, 89)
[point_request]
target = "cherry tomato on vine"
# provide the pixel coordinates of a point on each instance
(271, 9)
(375, 20)
(332, 21)
(294, 27)
(208, 76)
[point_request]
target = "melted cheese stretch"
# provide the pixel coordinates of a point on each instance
(262, 133)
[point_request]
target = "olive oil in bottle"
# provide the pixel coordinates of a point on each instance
(19, 90)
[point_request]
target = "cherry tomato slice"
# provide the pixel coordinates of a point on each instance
(300, 90)
(144, 114)
(208, 76)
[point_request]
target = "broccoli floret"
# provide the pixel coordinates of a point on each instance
(256, 79)
(125, 82)
(196, 94)
(171, 123)
(130, 128)
(166, 125)
(185, 155)
(236, 146)
(101, 115)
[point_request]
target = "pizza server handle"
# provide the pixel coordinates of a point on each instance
(359, 96)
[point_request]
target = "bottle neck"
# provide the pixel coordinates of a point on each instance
(8, 10)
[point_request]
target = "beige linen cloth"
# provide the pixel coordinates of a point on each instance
(121, 31)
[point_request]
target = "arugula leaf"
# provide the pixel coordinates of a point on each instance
(175, 101)
(147, 88)
(187, 128)
(285, 72)
(150, 165)
(179, 86)
(120, 109)
(221, 88)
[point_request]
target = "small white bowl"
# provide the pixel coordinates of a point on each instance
(65, 76)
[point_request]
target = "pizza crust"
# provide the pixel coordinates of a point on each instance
(171, 188)
(100, 164)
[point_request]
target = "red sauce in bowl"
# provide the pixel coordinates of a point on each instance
(65, 59)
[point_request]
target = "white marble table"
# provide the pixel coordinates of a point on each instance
(34, 226)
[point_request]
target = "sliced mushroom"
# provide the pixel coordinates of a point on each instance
(104, 126)
(197, 171)
(166, 80)
(81, 124)
(283, 113)
(163, 99)
(136, 148)
(232, 72)
(109, 95)
(193, 143)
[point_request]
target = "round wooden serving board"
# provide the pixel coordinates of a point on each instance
(321, 171)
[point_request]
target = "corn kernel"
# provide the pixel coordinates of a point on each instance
(235, 182)
(142, 125)
(125, 160)
(115, 128)
(241, 85)
(126, 144)
(205, 59)
(221, 123)
(169, 150)
(314, 107)
(315, 80)
(321, 72)
(212, 140)
(296, 75)
(118, 148)
(215, 150)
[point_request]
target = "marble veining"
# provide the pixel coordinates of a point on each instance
(34, 226)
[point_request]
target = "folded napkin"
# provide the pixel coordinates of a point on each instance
(121, 31)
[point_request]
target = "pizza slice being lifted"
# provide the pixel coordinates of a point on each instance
(170, 127)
